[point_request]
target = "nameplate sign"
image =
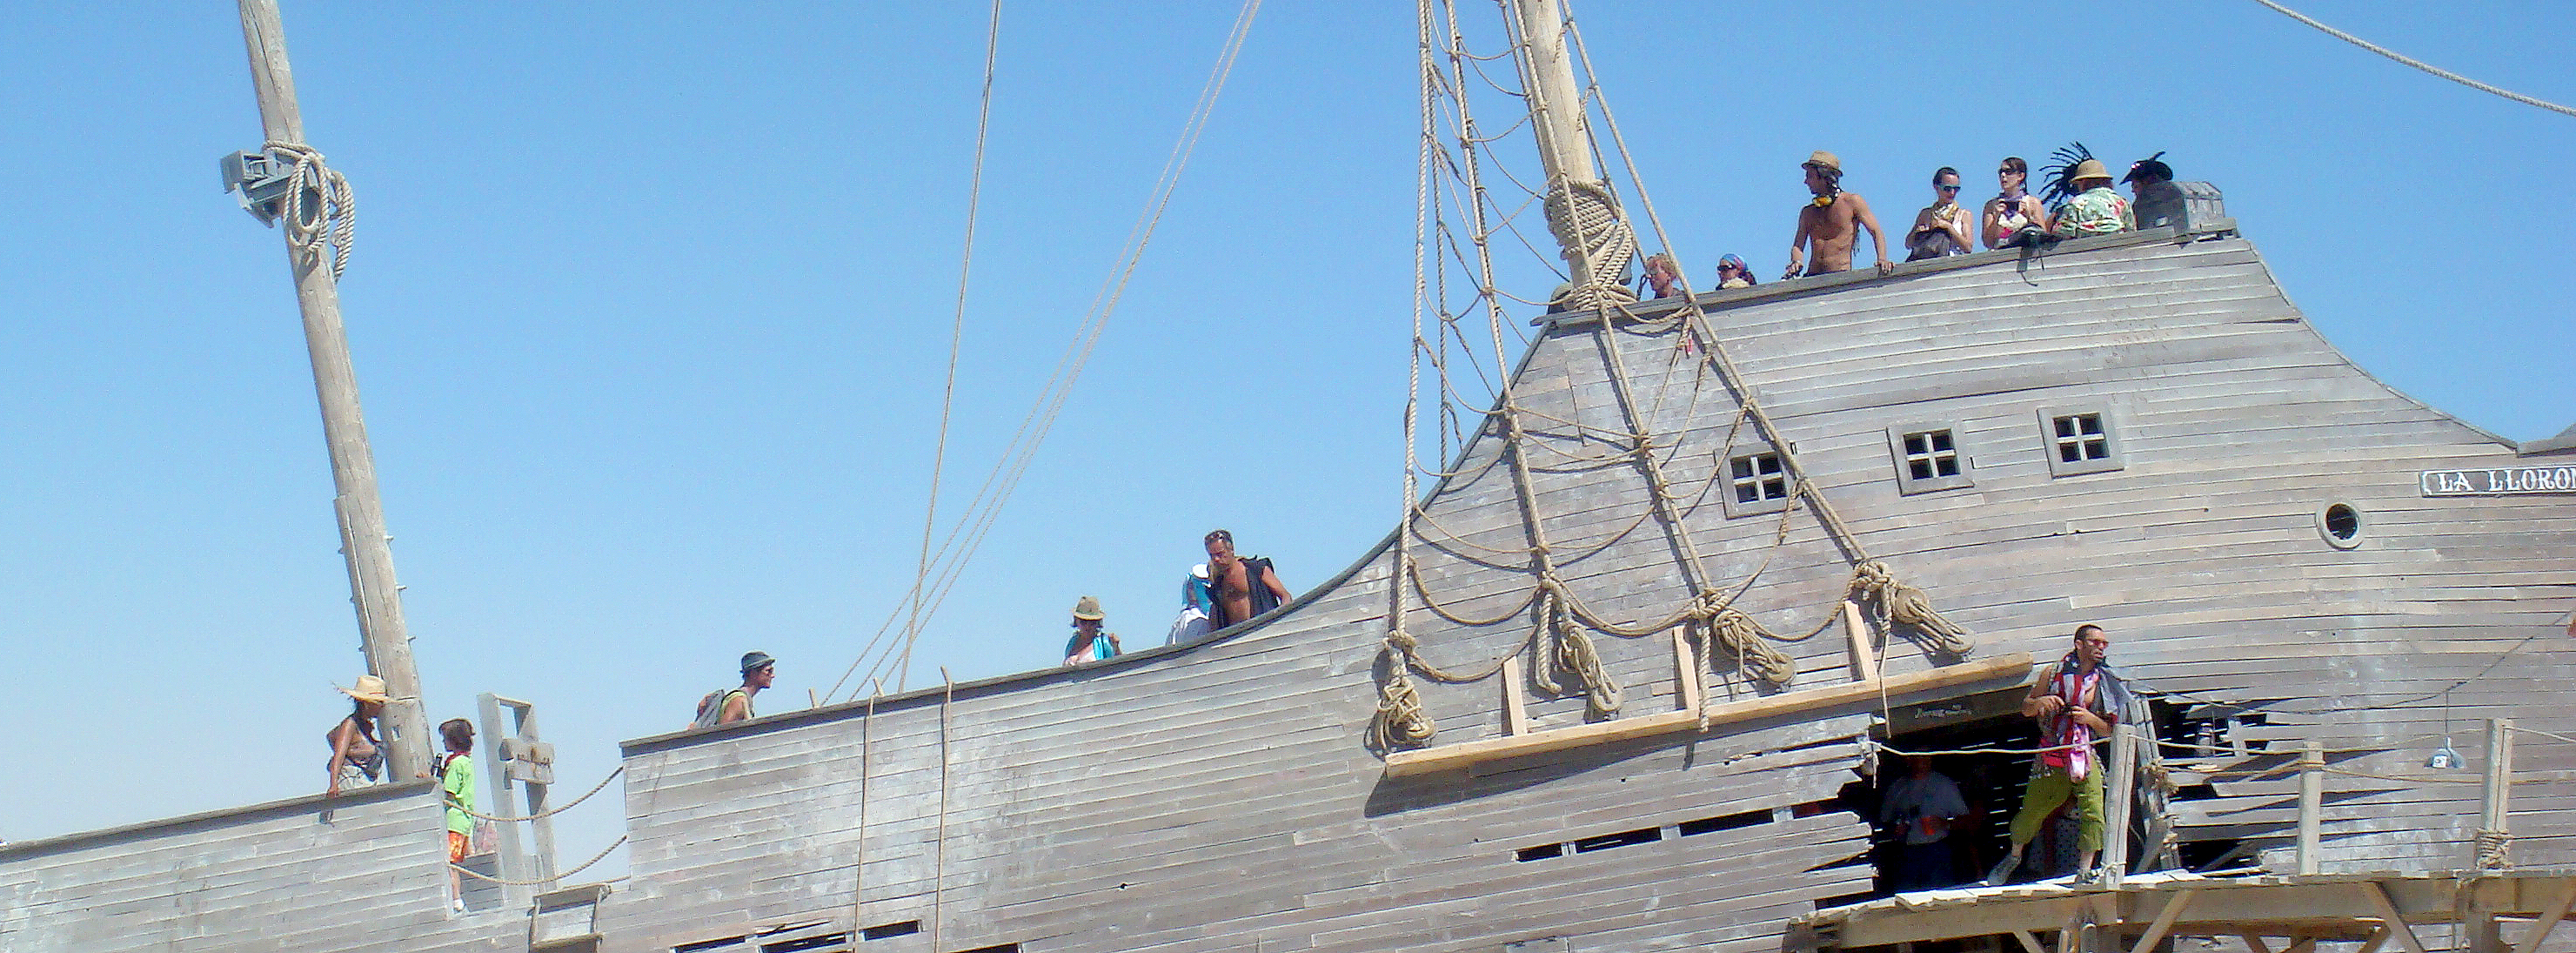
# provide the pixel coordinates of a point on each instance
(2560, 479)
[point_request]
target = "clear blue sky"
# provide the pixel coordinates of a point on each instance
(649, 307)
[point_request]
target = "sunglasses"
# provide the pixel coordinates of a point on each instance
(1947, 188)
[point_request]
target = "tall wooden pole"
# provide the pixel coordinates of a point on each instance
(353, 467)
(1591, 231)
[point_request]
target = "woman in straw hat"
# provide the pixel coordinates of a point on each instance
(357, 756)
(1089, 644)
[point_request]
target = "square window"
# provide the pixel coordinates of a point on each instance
(2079, 440)
(1757, 482)
(1928, 458)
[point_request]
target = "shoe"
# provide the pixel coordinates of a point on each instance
(457, 904)
(2088, 876)
(2002, 874)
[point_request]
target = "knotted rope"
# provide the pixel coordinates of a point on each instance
(1570, 653)
(577, 868)
(1748, 641)
(319, 206)
(2494, 850)
(1585, 215)
(1401, 722)
(1901, 604)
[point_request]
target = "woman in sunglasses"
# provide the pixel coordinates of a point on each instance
(2009, 214)
(1942, 229)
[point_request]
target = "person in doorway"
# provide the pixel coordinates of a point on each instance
(1924, 804)
(2075, 701)
(1089, 644)
(725, 706)
(2009, 215)
(456, 778)
(357, 754)
(2096, 209)
(1733, 273)
(1828, 221)
(1198, 605)
(1245, 586)
(1940, 230)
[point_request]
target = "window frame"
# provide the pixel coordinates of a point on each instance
(1726, 474)
(2116, 457)
(1909, 484)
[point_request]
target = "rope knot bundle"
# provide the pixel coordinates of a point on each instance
(1570, 652)
(1748, 640)
(1906, 605)
(1585, 215)
(2494, 849)
(1401, 722)
(319, 206)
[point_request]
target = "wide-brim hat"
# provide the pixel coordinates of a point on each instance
(1199, 571)
(369, 689)
(1087, 609)
(1822, 160)
(2089, 169)
(755, 661)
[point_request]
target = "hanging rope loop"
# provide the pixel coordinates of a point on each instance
(319, 207)
(1897, 603)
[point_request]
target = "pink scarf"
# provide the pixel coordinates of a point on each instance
(2064, 731)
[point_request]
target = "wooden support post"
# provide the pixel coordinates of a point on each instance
(2119, 800)
(2163, 922)
(1863, 644)
(2254, 943)
(2312, 787)
(2378, 938)
(1515, 699)
(364, 543)
(2548, 919)
(2029, 943)
(2496, 808)
(2305, 944)
(2395, 925)
(1687, 690)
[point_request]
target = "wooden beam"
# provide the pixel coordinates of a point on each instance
(2164, 921)
(1515, 698)
(1789, 703)
(1686, 683)
(2305, 944)
(1862, 644)
(2029, 943)
(2548, 919)
(1451, 757)
(2395, 921)
(2378, 938)
(2254, 944)
(2312, 781)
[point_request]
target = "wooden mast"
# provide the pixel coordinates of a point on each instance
(363, 540)
(1590, 229)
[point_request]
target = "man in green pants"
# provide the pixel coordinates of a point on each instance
(2075, 701)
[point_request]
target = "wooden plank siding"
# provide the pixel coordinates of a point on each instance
(1223, 796)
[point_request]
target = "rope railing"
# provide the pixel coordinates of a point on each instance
(559, 875)
(549, 812)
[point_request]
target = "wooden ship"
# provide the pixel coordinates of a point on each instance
(1623, 675)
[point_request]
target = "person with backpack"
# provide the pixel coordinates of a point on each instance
(1245, 586)
(725, 706)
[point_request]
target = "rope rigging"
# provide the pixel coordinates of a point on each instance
(889, 652)
(1599, 242)
(2418, 64)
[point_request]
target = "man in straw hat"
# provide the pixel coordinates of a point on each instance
(725, 706)
(2096, 209)
(1089, 644)
(1827, 221)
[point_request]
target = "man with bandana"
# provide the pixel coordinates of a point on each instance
(2075, 701)
(1828, 219)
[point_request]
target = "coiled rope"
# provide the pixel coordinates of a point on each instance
(319, 206)
(2418, 64)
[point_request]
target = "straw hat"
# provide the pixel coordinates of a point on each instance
(1087, 609)
(370, 689)
(1823, 160)
(2089, 169)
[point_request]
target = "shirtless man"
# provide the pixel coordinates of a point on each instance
(1244, 587)
(1826, 221)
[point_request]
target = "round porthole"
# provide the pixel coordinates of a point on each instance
(2341, 525)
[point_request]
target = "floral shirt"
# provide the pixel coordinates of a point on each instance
(2099, 211)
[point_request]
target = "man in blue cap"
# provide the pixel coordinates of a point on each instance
(728, 705)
